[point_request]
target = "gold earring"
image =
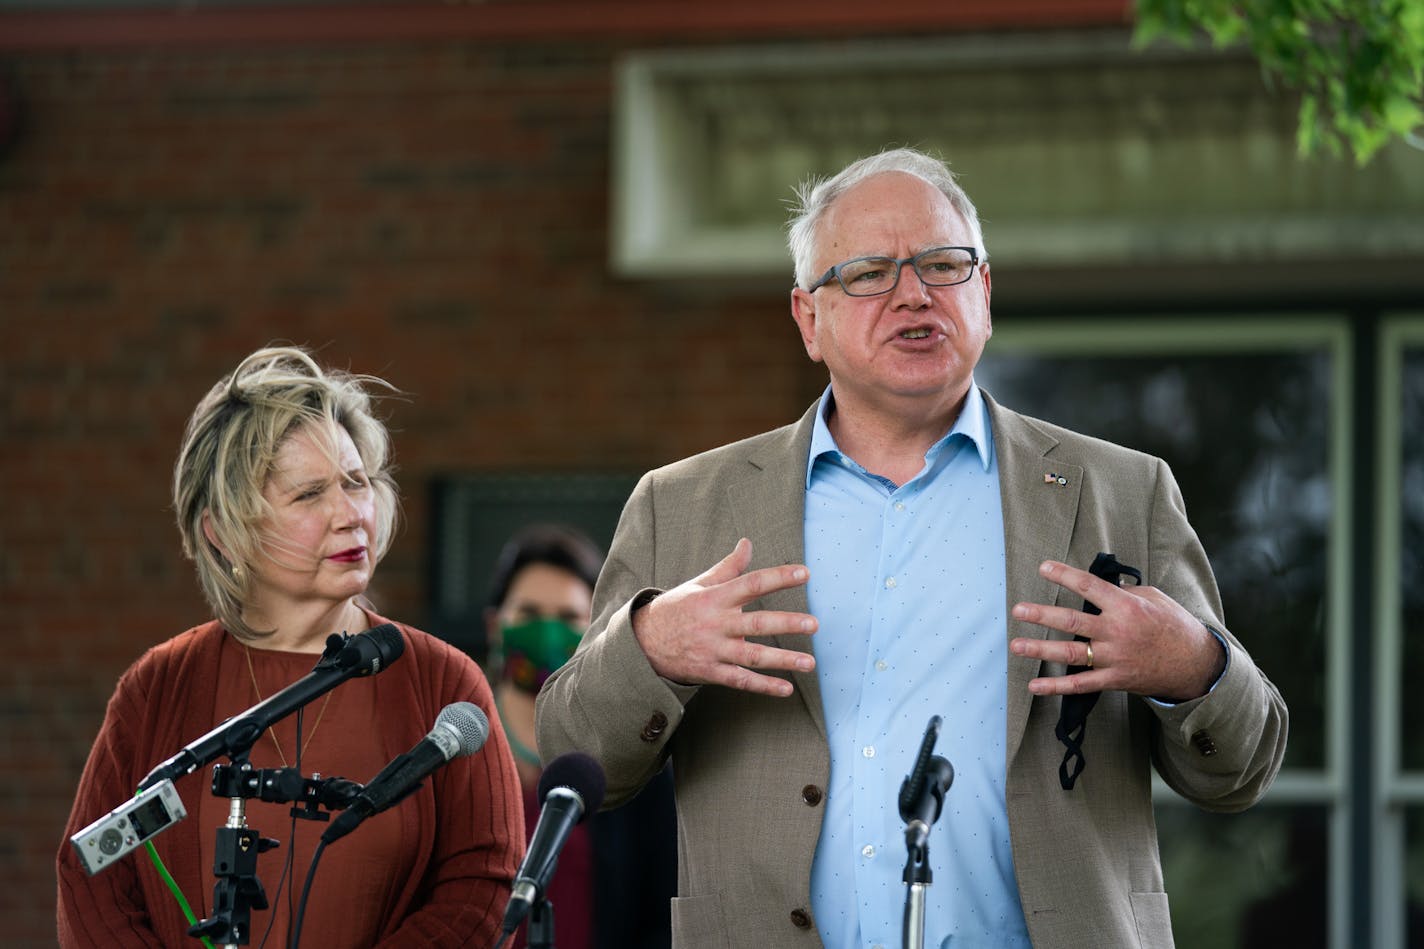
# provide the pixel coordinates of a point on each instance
(237, 574)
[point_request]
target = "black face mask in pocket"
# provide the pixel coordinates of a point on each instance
(1073, 716)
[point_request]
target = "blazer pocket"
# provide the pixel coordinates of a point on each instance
(1154, 920)
(697, 923)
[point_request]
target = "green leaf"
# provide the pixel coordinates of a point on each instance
(1358, 64)
(1402, 114)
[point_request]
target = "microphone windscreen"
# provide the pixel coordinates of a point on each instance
(469, 722)
(914, 784)
(373, 650)
(581, 774)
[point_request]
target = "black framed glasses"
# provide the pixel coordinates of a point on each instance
(870, 276)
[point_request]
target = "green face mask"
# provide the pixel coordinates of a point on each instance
(533, 650)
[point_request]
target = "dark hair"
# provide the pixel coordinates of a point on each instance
(556, 545)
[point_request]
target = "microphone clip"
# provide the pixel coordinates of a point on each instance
(339, 652)
(285, 786)
(335, 642)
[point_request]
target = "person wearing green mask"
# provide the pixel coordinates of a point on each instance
(538, 609)
(618, 870)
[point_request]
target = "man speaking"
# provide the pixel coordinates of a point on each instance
(781, 616)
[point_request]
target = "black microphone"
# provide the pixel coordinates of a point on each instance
(922, 792)
(914, 784)
(925, 810)
(345, 657)
(571, 788)
(460, 729)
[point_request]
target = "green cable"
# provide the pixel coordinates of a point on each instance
(173, 885)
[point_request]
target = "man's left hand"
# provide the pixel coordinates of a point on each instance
(1143, 641)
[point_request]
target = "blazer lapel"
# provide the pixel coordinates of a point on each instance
(770, 505)
(1039, 513)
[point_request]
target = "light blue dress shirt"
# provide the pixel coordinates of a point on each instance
(908, 584)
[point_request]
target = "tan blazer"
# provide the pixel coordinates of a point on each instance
(751, 770)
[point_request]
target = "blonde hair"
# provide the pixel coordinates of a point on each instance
(228, 451)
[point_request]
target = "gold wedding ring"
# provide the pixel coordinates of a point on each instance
(1089, 647)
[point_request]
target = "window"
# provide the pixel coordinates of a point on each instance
(1251, 416)
(1399, 567)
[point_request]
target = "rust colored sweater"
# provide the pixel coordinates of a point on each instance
(460, 836)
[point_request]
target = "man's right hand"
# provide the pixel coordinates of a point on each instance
(696, 633)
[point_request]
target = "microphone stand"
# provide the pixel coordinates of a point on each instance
(238, 890)
(917, 879)
(921, 800)
(541, 925)
(927, 803)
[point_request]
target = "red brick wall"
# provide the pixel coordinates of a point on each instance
(435, 213)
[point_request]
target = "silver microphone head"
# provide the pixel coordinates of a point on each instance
(466, 723)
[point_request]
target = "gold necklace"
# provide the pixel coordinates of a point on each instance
(273, 731)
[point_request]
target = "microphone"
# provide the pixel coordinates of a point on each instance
(925, 810)
(345, 657)
(922, 792)
(571, 788)
(460, 729)
(914, 784)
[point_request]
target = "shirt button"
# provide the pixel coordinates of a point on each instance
(899, 505)
(868, 850)
(889, 583)
(800, 918)
(868, 751)
(881, 665)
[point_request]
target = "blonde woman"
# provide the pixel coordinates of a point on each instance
(286, 503)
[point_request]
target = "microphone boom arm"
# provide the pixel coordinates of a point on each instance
(345, 656)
